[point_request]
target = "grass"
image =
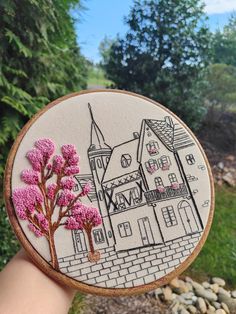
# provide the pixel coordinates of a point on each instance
(218, 256)
(96, 77)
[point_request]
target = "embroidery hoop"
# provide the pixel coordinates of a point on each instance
(62, 278)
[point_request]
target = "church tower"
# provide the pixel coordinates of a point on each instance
(99, 154)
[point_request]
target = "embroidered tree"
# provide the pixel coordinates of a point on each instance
(44, 203)
(85, 218)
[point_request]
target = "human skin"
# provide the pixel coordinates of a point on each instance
(24, 289)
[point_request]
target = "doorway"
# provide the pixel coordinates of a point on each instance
(145, 231)
(187, 217)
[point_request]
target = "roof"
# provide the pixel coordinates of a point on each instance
(114, 168)
(173, 135)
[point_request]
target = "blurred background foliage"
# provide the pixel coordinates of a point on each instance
(168, 54)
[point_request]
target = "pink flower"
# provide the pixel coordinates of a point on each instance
(35, 157)
(35, 230)
(74, 160)
(175, 186)
(57, 164)
(30, 176)
(51, 188)
(46, 147)
(72, 224)
(42, 221)
(161, 189)
(26, 199)
(86, 189)
(68, 151)
(49, 167)
(67, 183)
(65, 198)
(71, 170)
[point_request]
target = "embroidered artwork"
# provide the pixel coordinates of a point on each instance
(138, 205)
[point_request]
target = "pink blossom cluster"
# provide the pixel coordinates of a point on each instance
(40, 155)
(83, 215)
(35, 230)
(86, 189)
(30, 176)
(67, 183)
(65, 198)
(26, 199)
(51, 189)
(42, 221)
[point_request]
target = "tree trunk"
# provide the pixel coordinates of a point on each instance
(89, 234)
(53, 252)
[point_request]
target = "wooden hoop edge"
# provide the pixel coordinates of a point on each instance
(62, 278)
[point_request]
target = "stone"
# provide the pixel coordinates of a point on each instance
(183, 287)
(188, 279)
(174, 307)
(225, 307)
(220, 311)
(216, 305)
(229, 179)
(214, 287)
(219, 281)
(211, 308)
(184, 311)
(230, 158)
(197, 285)
(192, 309)
(174, 283)
(210, 312)
(167, 292)
(206, 284)
(230, 302)
(223, 291)
(158, 292)
(190, 287)
(233, 294)
(220, 165)
(183, 300)
(201, 305)
(187, 295)
(210, 296)
(194, 298)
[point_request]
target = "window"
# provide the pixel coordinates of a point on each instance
(151, 165)
(99, 163)
(92, 164)
(169, 216)
(98, 236)
(125, 160)
(190, 159)
(100, 195)
(172, 178)
(124, 229)
(164, 162)
(152, 148)
(158, 181)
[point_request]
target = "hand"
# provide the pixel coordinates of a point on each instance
(24, 289)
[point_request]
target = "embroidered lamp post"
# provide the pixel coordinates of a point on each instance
(44, 202)
(85, 218)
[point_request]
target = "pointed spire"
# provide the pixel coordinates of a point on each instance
(97, 138)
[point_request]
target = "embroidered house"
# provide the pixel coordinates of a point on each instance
(140, 187)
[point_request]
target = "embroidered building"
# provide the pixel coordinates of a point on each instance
(140, 187)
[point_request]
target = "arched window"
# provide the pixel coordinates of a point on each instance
(158, 181)
(99, 163)
(152, 148)
(172, 177)
(92, 164)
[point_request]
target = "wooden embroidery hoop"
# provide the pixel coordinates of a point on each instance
(62, 278)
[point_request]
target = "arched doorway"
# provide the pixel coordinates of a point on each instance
(187, 217)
